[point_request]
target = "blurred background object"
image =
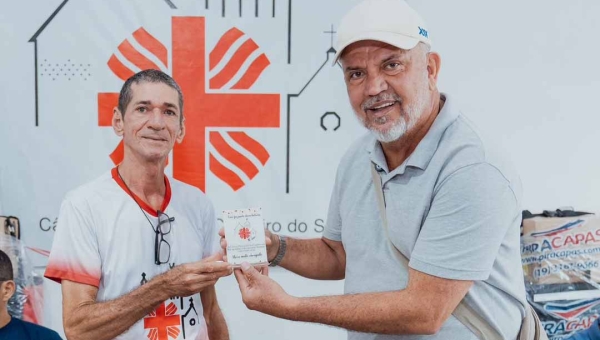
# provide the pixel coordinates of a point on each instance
(27, 303)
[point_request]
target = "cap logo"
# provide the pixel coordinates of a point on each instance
(423, 32)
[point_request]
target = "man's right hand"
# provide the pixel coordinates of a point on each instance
(191, 278)
(271, 240)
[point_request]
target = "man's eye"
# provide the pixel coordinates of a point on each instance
(356, 75)
(141, 109)
(170, 112)
(392, 66)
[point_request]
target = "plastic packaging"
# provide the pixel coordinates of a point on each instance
(27, 302)
(561, 262)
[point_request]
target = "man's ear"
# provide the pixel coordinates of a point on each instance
(434, 62)
(117, 122)
(7, 289)
(181, 132)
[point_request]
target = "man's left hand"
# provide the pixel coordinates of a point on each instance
(261, 293)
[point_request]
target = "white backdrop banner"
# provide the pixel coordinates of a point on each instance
(267, 115)
(265, 125)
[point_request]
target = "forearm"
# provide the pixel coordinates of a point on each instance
(215, 322)
(106, 320)
(217, 327)
(314, 259)
(383, 313)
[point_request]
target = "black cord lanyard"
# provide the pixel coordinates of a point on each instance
(136, 202)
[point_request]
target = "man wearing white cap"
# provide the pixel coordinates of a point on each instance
(449, 205)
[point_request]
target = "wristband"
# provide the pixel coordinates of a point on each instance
(280, 251)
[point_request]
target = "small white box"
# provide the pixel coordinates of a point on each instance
(245, 235)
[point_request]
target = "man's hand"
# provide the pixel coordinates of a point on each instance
(261, 293)
(111, 318)
(191, 278)
(271, 240)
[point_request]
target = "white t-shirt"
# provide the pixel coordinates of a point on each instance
(103, 239)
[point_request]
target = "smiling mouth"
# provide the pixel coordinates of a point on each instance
(381, 109)
(155, 139)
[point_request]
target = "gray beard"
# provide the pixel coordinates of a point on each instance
(408, 118)
(405, 123)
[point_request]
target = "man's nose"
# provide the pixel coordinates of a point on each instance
(157, 119)
(375, 85)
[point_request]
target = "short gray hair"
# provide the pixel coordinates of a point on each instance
(423, 47)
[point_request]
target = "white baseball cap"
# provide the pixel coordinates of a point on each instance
(390, 21)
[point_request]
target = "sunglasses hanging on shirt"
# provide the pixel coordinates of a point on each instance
(162, 248)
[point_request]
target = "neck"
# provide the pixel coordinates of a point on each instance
(4, 316)
(397, 152)
(145, 179)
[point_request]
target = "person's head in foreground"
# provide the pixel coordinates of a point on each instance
(13, 328)
(7, 286)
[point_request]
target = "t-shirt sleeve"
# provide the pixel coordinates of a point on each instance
(54, 336)
(74, 255)
(28, 330)
(48, 334)
(212, 241)
(471, 212)
(333, 226)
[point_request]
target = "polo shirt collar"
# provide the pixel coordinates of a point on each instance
(424, 151)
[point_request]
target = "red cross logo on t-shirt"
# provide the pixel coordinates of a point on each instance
(163, 323)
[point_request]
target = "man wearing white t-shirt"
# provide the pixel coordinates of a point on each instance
(134, 248)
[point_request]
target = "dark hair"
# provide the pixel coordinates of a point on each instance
(150, 76)
(6, 268)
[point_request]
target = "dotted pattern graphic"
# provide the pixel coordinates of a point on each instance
(69, 70)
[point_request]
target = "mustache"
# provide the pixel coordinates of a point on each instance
(379, 98)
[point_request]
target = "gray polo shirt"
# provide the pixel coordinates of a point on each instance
(453, 208)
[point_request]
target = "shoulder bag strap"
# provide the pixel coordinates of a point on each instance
(463, 312)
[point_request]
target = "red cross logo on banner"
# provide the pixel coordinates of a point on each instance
(163, 323)
(205, 111)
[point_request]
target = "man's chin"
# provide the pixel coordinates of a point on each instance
(155, 156)
(387, 135)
